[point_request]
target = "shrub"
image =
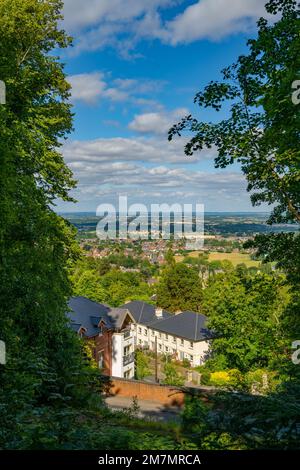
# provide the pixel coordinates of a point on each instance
(186, 363)
(236, 378)
(173, 377)
(219, 379)
(142, 365)
(205, 376)
(261, 381)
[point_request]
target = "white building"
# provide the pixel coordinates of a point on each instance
(123, 346)
(109, 333)
(114, 333)
(182, 336)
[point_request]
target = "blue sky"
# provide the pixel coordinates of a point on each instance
(135, 67)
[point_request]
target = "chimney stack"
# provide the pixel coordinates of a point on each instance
(158, 312)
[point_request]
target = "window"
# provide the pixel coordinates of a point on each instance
(145, 332)
(191, 358)
(101, 360)
(182, 342)
(167, 337)
(159, 347)
(140, 341)
(167, 349)
(174, 339)
(140, 330)
(126, 351)
(152, 332)
(159, 335)
(191, 344)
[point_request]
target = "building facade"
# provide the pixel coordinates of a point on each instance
(109, 333)
(113, 334)
(182, 336)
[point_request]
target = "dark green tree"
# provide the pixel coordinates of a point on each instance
(35, 243)
(261, 131)
(179, 288)
(245, 312)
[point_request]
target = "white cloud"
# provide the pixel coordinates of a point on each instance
(91, 87)
(121, 149)
(150, 170)
(214, 19)
(146, 184)
(147, 168)
(87, 87)
(99, 24)
(86, 13)
(157, 123)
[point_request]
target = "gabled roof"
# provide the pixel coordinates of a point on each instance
(144, 313)
(88, 314)
(188, 325)
(117, 316)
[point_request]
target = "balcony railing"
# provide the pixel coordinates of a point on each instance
(127, 334)
(128, 359)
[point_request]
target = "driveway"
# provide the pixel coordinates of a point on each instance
(147, 409)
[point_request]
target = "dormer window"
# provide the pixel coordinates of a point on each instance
(81, 331)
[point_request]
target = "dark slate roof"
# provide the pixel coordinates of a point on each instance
(76, 327)
(188, 325)
(118, 315)
(144, 313)
(87, 314)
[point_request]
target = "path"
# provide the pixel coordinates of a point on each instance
(147, 409)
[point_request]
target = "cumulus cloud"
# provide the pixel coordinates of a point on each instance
(214, 19)
(129, 150)
(100, 23)
(92, 87)
(147, 169)
(106, 23)
(157, 184)
(87, 87)
(158, 122)
(86, 13)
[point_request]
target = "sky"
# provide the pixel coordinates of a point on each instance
(135, 67)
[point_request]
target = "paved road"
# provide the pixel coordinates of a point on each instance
(147, 409)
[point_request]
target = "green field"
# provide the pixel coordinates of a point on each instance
(234, 258)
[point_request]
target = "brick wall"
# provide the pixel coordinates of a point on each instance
(164, 394)
(102, 344)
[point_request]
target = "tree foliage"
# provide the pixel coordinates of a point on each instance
(245, 312)
(179, 288)
(50, 396)
(113, 286)
(261, 131)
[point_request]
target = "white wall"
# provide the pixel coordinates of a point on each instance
(118, 345)
(117, 355)
(168, 344)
